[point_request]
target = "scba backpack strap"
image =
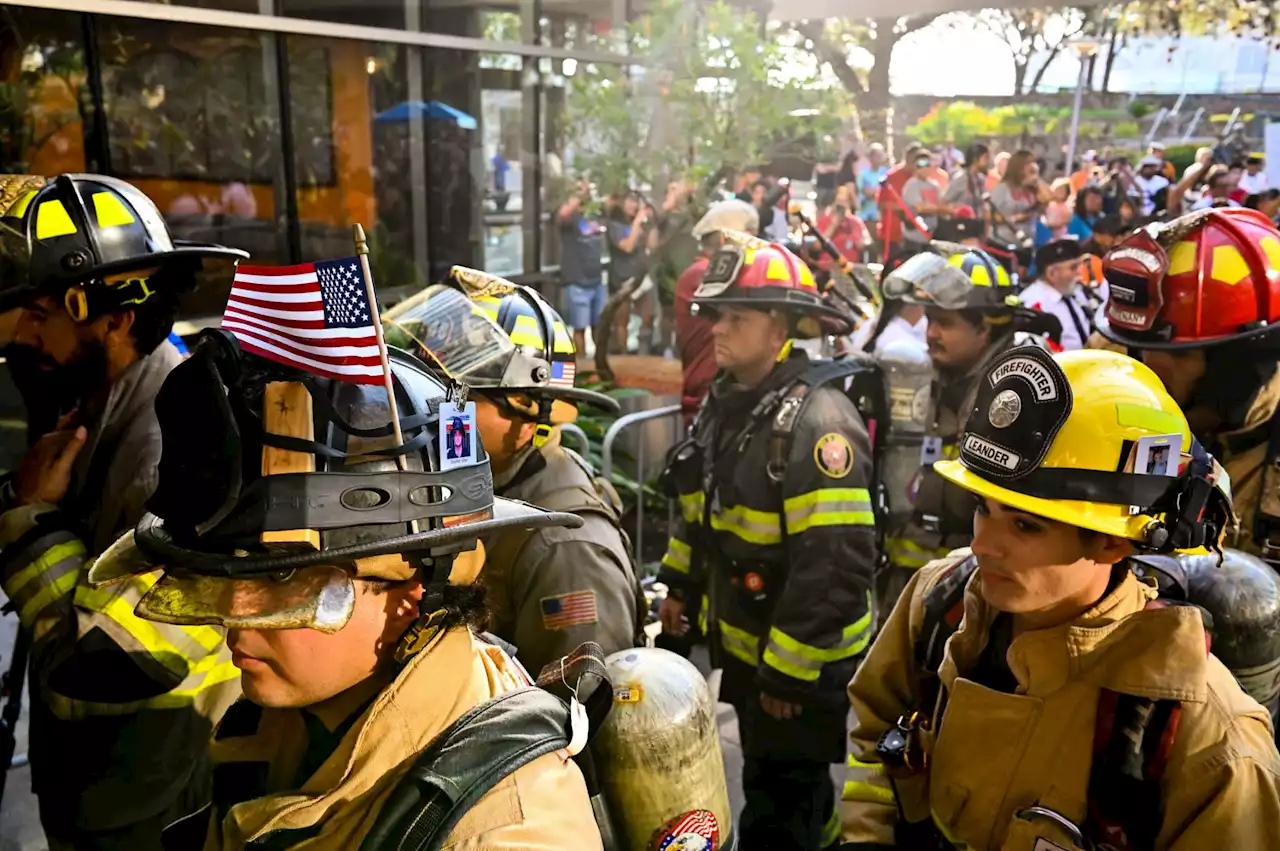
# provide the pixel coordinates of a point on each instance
(488, 744)
(1133, 736)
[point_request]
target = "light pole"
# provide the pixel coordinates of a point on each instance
(1085, 50)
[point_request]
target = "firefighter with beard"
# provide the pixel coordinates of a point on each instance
(121, 709)
(354, 620)
(970, 304)
(773, 553)
(554, 588)
(1198, 301)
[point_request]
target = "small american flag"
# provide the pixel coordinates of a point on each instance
(562, 373)
(566, 610)
(314, 316)
(698, 829)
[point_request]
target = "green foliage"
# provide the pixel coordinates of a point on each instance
(717, 95)
(1140, 110)
(961, 122)
(1126, 130)
(1181, 156)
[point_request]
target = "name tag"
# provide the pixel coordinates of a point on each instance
(930, 451)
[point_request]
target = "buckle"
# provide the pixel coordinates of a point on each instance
(899, 746)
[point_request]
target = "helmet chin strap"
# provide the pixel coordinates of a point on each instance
(432, 611)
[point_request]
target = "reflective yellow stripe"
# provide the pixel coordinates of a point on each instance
(904, 552)
(691, 505)
(754, 527)
(52, 220)
(48, 559)
(563, 342)
(19, 209)
(872, 767)
(829, 507)
(111, 211)
(214, 671)
(854, 638)
(740, 643)
(164, 646)
(868, 793)
(678, 557)
(702, 614)
(831, 831)
(792, 665)
(1150, 419)
(51, 593)
(527, 332)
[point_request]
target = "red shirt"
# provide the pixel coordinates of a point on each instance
(849, 238)
(693, 339)
(890, 209)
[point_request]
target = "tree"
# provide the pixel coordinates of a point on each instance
(1035, 38)
(719, 94)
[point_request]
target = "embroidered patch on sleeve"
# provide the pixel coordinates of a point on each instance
(565, 610)
(833, 455)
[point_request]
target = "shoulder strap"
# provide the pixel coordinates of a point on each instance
(943, 610)
(473, 755)
(1266, 523)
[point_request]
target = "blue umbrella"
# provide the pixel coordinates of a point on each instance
(433, 110)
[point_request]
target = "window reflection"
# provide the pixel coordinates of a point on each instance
(41, 77)
(192, 121)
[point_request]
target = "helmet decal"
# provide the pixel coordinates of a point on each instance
(1019, 410)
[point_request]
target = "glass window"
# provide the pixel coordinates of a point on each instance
(502, 108)
(369, 13)
(192, 120)
(41, 92)
(359, 154)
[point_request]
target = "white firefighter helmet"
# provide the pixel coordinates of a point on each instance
(659, 755)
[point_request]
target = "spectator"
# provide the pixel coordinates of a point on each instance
(1165, 168)
(1190, 189)
(500, 167)
(1152, 184)
(1127, 214)
(969, 187)
(1235, 171)
(1087, 174)
(1219, 192)
(1266, 202)
(1088, 209)
(1254, 180)
(1106, 233)
(672, 249)
(1018, 199)
(923, 197)
(776, 220)
(999, 164)
(868, 183)
(839, 223)
(1204, 157)
(851, 166)
(950, 157)
(581, 269)
(626, 221)
(1060, 190)
(893, 218)
(1058, 292)
(1119, 185)
(693, 333)
(937, 174)
(1058, 222)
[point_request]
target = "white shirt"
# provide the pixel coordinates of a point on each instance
(899, 330)
(1254, 184)
(1073, 311)
(1149, 188)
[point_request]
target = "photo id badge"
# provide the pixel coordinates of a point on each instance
(457, 435)
(1158, 455)
(930, 451)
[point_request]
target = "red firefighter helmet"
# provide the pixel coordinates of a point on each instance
(1206, 278)
(750, 272)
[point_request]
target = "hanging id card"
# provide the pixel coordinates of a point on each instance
(930, 451)
(457, 435)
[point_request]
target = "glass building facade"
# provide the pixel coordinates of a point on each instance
(274, 125)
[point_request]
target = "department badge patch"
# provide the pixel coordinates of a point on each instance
(833, 455)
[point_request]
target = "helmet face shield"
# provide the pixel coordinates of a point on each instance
(321, 597)
(930, 280)
(459, 336)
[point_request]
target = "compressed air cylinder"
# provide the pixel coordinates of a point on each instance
(658, 755)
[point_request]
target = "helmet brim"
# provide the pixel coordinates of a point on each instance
(150, 546)
(1084, 515)
(570, 395)
(1104, 327)
(845, 324)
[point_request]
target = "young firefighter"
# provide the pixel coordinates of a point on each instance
(1198, 303)
(121, 709)
(347, 594)
(1030, 694)
(549, 589)
(774, 551)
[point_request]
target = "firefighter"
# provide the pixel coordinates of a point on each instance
(970, 304)
(1080, 712)
(121, 709)
(354, 634)
(549, 589)
(773, 553)
(1197, 301)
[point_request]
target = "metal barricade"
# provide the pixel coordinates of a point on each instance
(580, 437)
(606, 465)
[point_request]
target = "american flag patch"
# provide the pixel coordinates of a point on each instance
(562, 373)
(566, 610)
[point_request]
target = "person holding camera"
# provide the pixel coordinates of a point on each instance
(1018, 199)
(924, 198)
(581, 266)
(842, 226)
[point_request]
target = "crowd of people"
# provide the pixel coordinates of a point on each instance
(286, 590)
